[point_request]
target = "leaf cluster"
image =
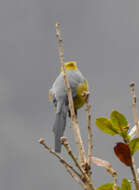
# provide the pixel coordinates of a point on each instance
(117, 124)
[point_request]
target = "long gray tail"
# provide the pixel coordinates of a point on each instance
(59, 128)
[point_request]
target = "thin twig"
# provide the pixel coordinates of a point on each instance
(77, 134)
(42, 141)
(68, 149)
(68, 167)
(114, 175)
(135, 175)
(90, 135)
(133, 168)
(115, 182)
(75, 177)
(135, 112)
(85, 177)
(103, 163)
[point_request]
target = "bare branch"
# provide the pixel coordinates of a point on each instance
(115, 181)
(68, 149)
(85, 177)
(114, 175)
(42, 141)
(75, 177)
(135, 112)
(135, 175)
(90, 135)
(108, 167)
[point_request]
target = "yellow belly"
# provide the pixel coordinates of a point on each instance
(79, 99)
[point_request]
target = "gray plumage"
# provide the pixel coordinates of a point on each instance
(60, 101)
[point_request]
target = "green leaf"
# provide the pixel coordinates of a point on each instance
(105, 125)
(126, 185)
(119, 123)
(134, 145)
(107, 186)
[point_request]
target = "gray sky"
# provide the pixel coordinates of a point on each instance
(103, 37)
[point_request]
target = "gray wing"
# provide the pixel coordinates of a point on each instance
(75, 77)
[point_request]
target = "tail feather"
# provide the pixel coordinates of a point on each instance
(58, 129)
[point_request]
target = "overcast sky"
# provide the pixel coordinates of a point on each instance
(103, 37)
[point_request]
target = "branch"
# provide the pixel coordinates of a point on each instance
(108, 167)
(77, 135)
(133, 167)
(85, 177)
(76, 178)
(135, 175)
(42, 141)
(90, 135)
(135, 112)
(71, 154)
(114, 175)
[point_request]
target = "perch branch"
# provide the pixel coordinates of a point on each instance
(77, 135)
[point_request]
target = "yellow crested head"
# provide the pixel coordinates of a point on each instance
(71, 65)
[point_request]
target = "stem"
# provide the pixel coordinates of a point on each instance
(85, 177)
(42, 141)
(68, 149)
(114, 175)
(134, 172)
(68, 167)
(135, 112)
(76, 178)
(114, 180)
(90, 135)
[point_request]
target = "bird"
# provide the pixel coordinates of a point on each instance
(58, 97)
